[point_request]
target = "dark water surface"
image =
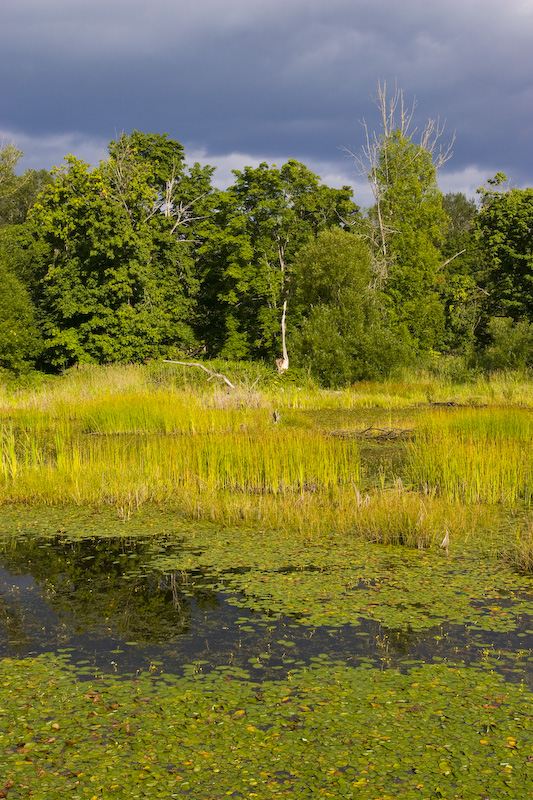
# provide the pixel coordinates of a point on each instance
(158, 599)
(104, 601)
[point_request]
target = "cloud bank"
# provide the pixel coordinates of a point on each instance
(268, 79)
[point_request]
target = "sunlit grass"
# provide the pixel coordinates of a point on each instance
(481, 456)
(167, 413)
(167, 469)
(258, 387)
(125, 436)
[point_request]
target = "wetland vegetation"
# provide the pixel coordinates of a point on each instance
(247, 593)
(253, 587)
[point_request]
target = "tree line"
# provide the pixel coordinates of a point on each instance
(141, 257)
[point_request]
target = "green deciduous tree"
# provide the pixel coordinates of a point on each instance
(510, 344)
(9, 158)
(462, 297)
(407, 223)
(261, 223)
(18, 192)
(20, 341)
(504, 227)
(117, 280)
(343, 335)
(461, 214)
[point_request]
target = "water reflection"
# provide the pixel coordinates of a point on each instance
(99, 598)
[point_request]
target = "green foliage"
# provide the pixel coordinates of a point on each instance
(339, 349)
(139, 258)
(148, 174)
(504, 228)
(410, 197)
(510, 346)
(14, 209)
(251, 243)
(9, 158)
(461, 216)
(342, 336)
(462, 298)
(9, 183)
(18, 192)
(461, 274)
(413, 222)
(155, 155)
(20, 341)
(331, 268)
(117, 281)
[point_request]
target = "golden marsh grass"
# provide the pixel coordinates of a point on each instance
(127, 436)
(475, 456)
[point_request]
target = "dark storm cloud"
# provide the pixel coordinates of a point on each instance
(269, 79)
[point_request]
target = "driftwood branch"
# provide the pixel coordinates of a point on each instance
(201, 366)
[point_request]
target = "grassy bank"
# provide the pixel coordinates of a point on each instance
(131, 435)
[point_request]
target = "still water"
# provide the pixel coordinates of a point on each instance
(108, 603)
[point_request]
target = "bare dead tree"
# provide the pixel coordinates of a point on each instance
(283, 362)
(123, 170)
(180, 211)
(372, 159)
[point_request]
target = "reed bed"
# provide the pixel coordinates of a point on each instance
(169, 414)
(481, 456)
(108, 469)
(381, 516)
(292, 481)
(126, 436)
(514, 542)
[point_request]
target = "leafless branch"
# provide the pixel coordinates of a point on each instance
(205, 369)
(372, 158)
(460, 253)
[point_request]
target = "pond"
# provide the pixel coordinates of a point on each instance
(149, 656)
(153, 658)
(154, 593)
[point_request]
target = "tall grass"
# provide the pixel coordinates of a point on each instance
(126, 436)
(93, 469)
(167, 413)
(225, 465)
(481, 456)
(259, 387)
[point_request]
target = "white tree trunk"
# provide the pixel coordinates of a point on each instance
(283, 363)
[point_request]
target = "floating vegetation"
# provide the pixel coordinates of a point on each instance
(98, 586)
(326, 730)
(326, 576)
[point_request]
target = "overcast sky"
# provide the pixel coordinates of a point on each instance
(238, 82)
